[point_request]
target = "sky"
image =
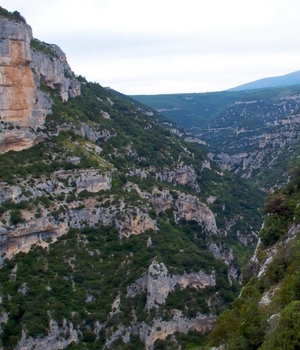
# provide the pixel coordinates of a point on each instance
(169, 46)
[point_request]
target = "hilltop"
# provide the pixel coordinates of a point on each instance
(283, 80)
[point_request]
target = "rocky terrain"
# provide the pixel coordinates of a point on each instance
(253, 133)
(267, 309)
(24, 105)
(115, 233)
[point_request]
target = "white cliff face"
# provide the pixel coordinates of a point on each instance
(57, 338)
(184, 175)
(136, 222)
(162, 329)
(24, 106)
(24, 235)
(157, 284)
(55, 72)
(81, 212)
(38, 230)
(185, 206)
(90, 180)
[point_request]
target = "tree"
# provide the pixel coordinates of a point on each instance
(286, 331)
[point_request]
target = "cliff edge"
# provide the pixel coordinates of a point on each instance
(26, 63)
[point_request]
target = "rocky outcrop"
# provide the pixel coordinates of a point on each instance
(89, 180)
(9, 192)
(220, 251)
(93, 134)
(23, 105)
(85, 210)
(55, 71)
(56, 220)
(264, 256)
(157, 284)
(184, 175)
(185, 206)
(162, 329)
(136, 223)
(24, 235)
(57, 338)
(194, 140)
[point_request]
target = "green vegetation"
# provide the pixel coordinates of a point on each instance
(11, 15)
(200, 110)
(193, 109)
(241, 123)
(78, 277)
(282, 208)
(274, 323)
(81, 274)
(42, 47)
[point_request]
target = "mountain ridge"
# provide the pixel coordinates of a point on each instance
(282, 80)
(247, 132)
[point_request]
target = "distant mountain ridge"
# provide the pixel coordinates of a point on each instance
(249, 132)
(282, 80)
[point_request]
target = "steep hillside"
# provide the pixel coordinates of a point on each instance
(254, 134)
(115, 233)
(266, 314)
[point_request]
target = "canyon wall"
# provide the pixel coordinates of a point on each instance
(24, 106)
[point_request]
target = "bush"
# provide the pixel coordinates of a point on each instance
(16, 217)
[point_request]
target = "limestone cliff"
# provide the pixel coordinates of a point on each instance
(24, 106)
(157, 284)
(185, 206)
(57, 338)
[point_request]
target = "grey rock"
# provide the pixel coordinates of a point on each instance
(57, 338)
(157, 284)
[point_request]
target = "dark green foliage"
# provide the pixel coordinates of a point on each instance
(16, 217)
(286, 331)
(42, 47)
(80, 275)
(60, 279)
(234, 123)
(11, 15)
(191, 340)
(249, 325)
(10, 205)
(282, 209)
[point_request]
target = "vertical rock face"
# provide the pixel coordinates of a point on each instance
(23, 107)
(55, 71)
(158, 283)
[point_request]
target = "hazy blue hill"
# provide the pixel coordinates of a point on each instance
(283, 80)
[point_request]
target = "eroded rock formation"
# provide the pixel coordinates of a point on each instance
(24, 106)
(57, 337)
(185, 206)
(157, 284)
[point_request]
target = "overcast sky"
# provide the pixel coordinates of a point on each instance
(169, 46)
